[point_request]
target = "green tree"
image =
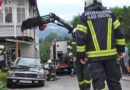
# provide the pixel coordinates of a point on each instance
(123, 15)
(75, 20)
(40, 40)
(45, 46)
(67, 38)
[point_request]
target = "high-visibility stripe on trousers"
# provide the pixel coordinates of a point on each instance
(83, 75)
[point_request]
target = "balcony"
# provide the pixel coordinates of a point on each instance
(13, 31)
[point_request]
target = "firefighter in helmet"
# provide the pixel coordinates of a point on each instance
(99, 37)
(82, 69)
(2, 57)
(52, 72)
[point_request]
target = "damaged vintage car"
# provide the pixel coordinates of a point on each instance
(26, 71)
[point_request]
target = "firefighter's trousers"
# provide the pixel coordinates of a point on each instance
(83, 75)
(107, 70)
(2, 64)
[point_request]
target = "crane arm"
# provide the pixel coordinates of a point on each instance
(43, 20)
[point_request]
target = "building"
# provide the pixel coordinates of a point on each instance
(12, 13)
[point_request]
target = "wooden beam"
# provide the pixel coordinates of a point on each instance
(17, 49)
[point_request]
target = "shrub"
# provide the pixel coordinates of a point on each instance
(2, 81)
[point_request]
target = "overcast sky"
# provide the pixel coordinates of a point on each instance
(67, 9)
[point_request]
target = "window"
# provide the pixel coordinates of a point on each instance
(8, 14)
(1, 11)
(7, 2)
(27, 62)
(1, 1)
(1, 16)
(20, 14)
(20, 2)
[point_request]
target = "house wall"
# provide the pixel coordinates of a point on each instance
(13, 27)
(27, 50)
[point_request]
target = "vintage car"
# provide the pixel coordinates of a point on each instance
(26, 71)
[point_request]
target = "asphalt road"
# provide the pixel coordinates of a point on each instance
(65, 83)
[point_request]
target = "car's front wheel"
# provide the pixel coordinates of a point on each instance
(43, 83)
(9, 85)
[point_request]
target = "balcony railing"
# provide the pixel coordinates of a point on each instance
(13, 31)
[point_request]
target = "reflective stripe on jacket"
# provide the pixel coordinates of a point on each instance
(71, 49)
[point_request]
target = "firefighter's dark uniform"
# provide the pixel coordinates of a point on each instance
(2, 62)
(99, 34)
(82, 70)
(52, 73)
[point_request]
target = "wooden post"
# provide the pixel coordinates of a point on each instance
(17, 49)
(23, 35)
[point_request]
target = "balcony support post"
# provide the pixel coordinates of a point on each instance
(17, 49)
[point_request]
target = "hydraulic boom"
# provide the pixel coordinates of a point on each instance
(42, 21)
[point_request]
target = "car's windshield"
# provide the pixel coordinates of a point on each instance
(27, 62)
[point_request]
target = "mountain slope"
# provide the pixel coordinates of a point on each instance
(53, 28)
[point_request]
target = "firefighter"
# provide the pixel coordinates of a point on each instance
(52, 72)
(99, 37)
(2, 59)
(82, 70)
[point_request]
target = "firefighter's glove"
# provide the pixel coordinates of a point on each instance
(84, 61)
(74, 59)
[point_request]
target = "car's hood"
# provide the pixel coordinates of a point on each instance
(26, 68)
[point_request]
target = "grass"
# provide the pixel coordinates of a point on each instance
(3, 81)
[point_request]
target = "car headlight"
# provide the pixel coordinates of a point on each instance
(11, 74)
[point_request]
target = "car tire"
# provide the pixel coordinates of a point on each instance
(9, 85)
(43, 83)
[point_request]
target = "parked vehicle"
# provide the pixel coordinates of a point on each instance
(26, 71)
(58, 55)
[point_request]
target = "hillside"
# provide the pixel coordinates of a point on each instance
(53, 28)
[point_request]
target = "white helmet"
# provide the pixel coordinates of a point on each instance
(49, 61)
(90, 2)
